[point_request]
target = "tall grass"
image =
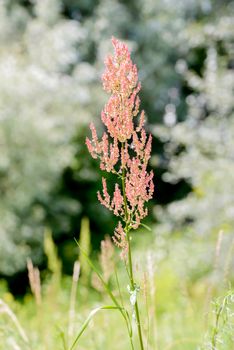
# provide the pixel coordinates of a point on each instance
(172, 309)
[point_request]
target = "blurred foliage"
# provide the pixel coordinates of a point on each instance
(51, 60)
(44, 103)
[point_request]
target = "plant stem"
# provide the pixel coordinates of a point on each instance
(132, 282)
(131, 274)
(122, 304)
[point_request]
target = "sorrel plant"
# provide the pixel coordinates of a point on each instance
(124, 150)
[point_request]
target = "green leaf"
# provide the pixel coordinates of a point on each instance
(88, 319)
(123, 311)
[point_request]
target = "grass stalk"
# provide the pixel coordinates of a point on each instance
(75, 278)
(132, 284)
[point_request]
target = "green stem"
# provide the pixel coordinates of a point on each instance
(132, 282)
(121, 300)
(124, 197)
(131, 274)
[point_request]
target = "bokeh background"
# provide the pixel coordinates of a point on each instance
(51, 61)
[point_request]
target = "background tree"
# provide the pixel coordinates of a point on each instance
(51, 55)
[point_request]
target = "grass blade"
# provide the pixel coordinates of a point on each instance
(88, 319)
(122, 310)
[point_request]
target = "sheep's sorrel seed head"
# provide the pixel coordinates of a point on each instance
(124, 148)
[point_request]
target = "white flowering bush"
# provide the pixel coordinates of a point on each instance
(200, 148)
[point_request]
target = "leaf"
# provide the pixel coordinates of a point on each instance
(123, 311)
(88, 319)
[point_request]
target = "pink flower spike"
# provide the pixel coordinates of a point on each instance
(148, 149)
(93, 145)
(120, 78)
(90, 147)
(119, 239)
(105, 200)
(117, 201)
(124, 148)
(141, 121)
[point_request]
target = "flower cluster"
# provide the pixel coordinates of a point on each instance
(124, 148)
